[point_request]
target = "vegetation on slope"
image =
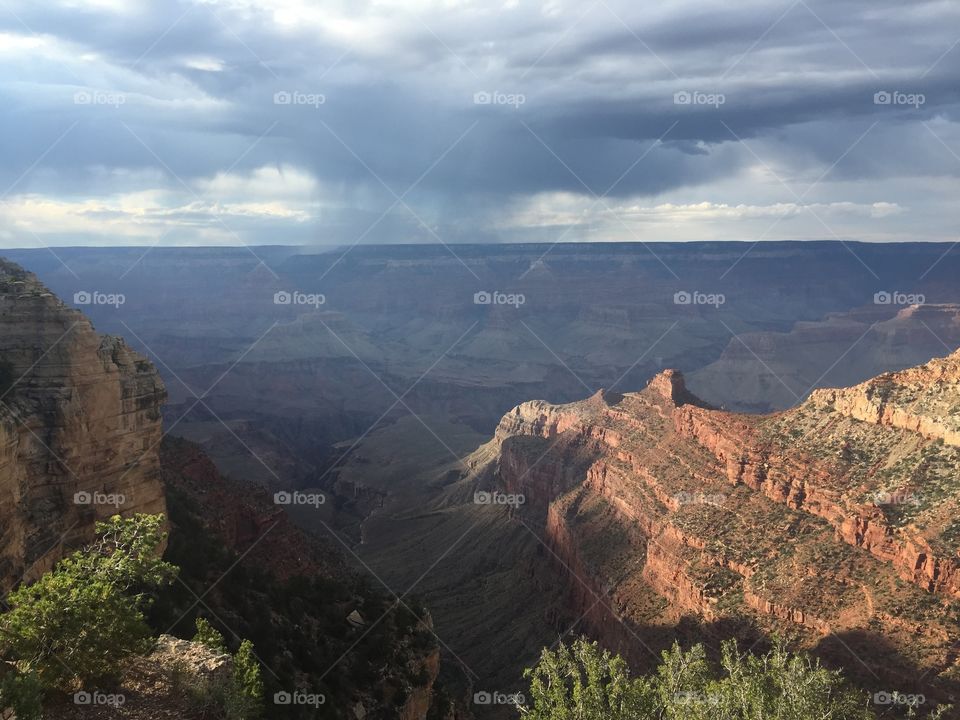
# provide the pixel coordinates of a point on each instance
(78, 623)
(75, 629)
(584, 682)
(298, 624)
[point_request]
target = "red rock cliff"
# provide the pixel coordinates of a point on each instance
(655, 507)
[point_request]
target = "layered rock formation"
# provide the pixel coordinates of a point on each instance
(80, 428)
(834, 523)
(924, 400)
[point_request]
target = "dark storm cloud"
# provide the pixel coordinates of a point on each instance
(597, 89)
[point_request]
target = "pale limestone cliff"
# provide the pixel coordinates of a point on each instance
(924, 399)
(79, 420)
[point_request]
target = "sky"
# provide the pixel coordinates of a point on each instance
(232, 122)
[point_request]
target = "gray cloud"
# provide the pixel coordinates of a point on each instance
(579, 94)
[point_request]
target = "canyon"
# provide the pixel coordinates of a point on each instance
(668, 513)
(287, 388)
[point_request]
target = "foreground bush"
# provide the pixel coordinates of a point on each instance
(207, 635)
(79, 622)
(21, 693)
(584, 682)
(242, 697)
(244, 700)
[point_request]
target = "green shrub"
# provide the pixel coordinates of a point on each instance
(79, 622)
(22, 693)
(209, 636)
(583, 682)
(244, 699)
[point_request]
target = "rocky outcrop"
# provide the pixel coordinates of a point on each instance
(204, 665)
(79, 428)
(656, 507)
(420, 697)
(923, 400)
(178, 679)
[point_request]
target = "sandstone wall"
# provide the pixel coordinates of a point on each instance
(84, 418)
